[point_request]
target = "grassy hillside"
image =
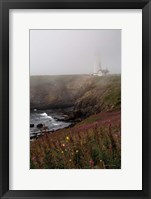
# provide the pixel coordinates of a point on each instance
(88, 94)
(103, 94)
(94, 143)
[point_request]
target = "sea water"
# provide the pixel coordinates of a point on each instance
(49, 119)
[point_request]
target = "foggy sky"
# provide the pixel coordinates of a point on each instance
(57, 52)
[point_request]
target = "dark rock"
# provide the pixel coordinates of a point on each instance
(71, 125)
(78, 120)
(40, 125)
(33, 136)
(31, 125)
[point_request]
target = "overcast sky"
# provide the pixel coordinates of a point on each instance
(56, 52)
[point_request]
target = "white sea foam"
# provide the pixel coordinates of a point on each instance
(44, 114)
(55, 124)
(47, 116)
(50, 117)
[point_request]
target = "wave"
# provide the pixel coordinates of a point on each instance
(53, 120)
(44, 114)
(47, 116)
(46, 119)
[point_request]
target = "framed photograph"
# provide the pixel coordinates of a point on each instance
(75, 99)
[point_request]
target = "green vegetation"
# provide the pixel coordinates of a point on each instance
(102, 94)
(88, 94)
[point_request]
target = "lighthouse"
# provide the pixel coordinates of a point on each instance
(98, 71)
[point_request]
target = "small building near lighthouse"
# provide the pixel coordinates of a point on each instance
(98, 71)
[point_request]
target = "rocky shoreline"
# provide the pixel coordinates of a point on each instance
(65, 116)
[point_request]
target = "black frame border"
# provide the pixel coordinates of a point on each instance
(5, 5)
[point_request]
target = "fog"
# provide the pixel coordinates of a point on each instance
(57, 52)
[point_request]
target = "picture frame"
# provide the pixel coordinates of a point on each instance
(4, 100)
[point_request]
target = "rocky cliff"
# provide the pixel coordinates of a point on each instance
(86, 93)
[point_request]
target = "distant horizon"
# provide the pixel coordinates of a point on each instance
(78, 74)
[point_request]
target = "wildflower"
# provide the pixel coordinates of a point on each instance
(67, 138)
(70, 160)
(62, 152)
(77, 151)
(65, 149)
(33, 158)
(91, 162)
(63, 145)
